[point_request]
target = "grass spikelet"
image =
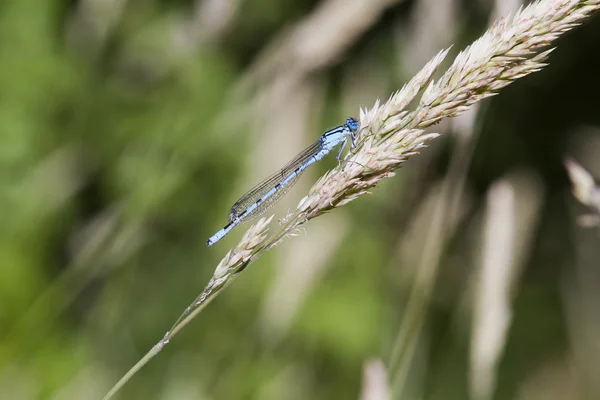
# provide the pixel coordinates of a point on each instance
(586, 191)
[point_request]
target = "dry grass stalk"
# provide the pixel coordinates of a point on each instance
(586, 191)
(313, 43)
(390, 133)
(584, 188)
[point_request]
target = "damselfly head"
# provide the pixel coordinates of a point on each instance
(352, 124)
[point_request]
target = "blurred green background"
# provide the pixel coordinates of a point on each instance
(129, 127)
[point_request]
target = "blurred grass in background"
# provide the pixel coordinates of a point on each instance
(129, 127)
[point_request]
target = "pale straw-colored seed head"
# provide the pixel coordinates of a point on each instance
(390, 133)
(236, 258)
(584, 188)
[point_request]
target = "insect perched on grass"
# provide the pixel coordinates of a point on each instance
(266, 193)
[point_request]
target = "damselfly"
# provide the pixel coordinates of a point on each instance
(266, 193)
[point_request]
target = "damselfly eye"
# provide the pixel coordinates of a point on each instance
(352, 124)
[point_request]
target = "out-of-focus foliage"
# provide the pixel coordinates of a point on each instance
(129, 127)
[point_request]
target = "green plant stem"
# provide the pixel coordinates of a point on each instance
(179, 325)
